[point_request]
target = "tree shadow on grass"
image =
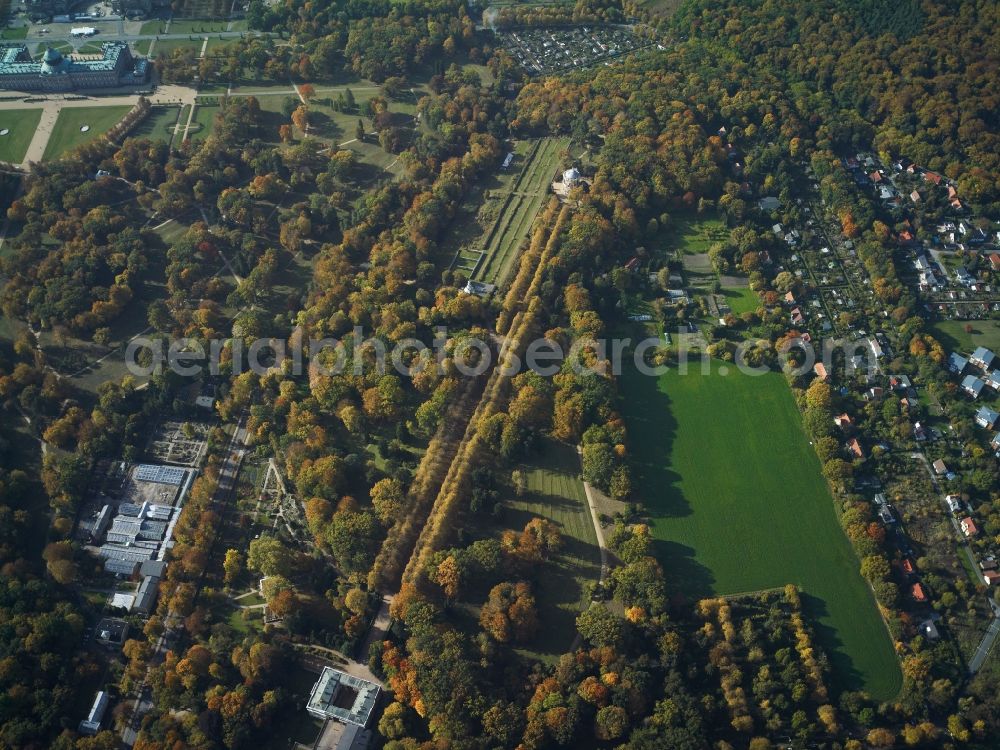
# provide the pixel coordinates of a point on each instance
(844, 674)
(653, 429)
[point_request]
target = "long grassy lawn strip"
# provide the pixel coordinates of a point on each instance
(738, 504)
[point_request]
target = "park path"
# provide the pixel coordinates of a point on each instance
(51, 107)
(595, 516)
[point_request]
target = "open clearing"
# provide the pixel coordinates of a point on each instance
(741, 299)
(490, 261)
(555, 492)
(66, 133)
(690, 234)
(737, 503)
(22, 124)
(953, 336)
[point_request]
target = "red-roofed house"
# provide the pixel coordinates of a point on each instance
(990, 577)
(932, 177)
(968, 526)
(820, 369)
(905, 237)
(918, 593)
(908, 566)
(844, 420)
(855, 448)
(995, 261)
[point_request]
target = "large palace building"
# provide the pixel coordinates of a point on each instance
(116, 66)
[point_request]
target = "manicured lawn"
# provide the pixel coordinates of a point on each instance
(555, 491)
(19, 32)
(22, 124)
(156, 26)
(204, 116)
(67, 135)
(165, 47)
(953, 336)
(195, 26)
(693, 233)
(159, 124)
(741, 299)
(64, 47)
(737, 503)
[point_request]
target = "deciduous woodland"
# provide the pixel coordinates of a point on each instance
(446, 494)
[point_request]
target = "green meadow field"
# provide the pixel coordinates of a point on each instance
(737, 503)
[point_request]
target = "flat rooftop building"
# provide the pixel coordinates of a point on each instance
(342, 697)
(92, 724)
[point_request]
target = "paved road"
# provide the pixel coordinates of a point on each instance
(986, 645)
(53, 38)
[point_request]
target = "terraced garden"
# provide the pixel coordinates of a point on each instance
(491, 259)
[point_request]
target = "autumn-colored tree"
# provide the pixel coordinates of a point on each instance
(232, 566)
(509, 613)
(388, 499)
(300, 118)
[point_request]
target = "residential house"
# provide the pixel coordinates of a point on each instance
(855, 449)
(820, 369)
(908, 567)
(982, 358)
(843, 421)
(972, 386)
(963, 277)
(954, 503)
(770, 203)
(929, 630)
(789, 298)
(900, 382)
(957, 363)
(995, 442)
(990, 577)
(940, 467)
(932, 177)
(987, 417)
(995, 261)
(918, 593)
(968, 526)
(915, 196)
(876, 348)
(919, 433)
(993, 380)
(886, 515)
